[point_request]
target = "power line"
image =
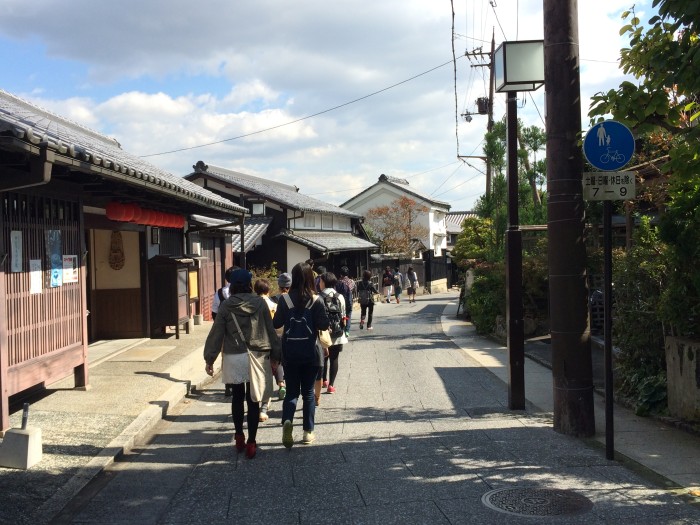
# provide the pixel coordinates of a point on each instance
(303, 118)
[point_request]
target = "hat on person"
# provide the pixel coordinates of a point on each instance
(241, 276)
(284, 280)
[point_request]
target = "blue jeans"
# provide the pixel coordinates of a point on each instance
(300, 381)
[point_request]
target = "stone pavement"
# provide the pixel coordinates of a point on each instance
(419, 432)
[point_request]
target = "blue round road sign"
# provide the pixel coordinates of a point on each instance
(608, 145)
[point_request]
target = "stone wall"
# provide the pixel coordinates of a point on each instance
(683, 377)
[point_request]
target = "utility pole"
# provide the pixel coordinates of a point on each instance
(568, 290)
(489, 111)
(489, 124)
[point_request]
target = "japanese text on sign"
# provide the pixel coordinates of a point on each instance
(608, 186)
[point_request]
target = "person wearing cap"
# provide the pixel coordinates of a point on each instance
(243, 329)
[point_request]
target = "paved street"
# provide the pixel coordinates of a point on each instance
(417, 433)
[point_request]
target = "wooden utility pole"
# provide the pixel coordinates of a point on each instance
(489, 124)
(568, 289)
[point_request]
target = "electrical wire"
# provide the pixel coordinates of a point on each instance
(453, 61)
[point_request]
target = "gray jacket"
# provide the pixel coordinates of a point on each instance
(255, 321)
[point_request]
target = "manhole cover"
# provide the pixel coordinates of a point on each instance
(537, 502)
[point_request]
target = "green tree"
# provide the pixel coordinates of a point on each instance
(664, 58)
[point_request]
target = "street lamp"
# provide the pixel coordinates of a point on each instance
(518, 66)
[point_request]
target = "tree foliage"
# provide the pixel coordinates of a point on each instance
(664, 58)
(393, 226)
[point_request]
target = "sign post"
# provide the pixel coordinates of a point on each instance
(608, 146)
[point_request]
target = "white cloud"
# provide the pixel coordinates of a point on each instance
(170, 74)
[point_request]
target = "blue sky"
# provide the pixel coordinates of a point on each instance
(163, 75)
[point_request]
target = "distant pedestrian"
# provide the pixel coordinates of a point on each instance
(330, 362)
(412, 278)
(398, 284)
(220, 296)
(387, 284)
(243, 330)
(302, 315)
(317, 277)
(366, 292)
(346, 286)
(262, 288)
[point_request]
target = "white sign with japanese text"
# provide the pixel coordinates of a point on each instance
(608, 185)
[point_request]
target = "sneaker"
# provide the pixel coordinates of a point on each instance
(331, 389)
(287, 437)
(250, 450)
(347, 333)
(309, 437)
(325, 383)
(263, 416)
(240, 442)
(370, 328)
(282, 393)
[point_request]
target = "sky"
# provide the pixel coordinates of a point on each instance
(323, 95)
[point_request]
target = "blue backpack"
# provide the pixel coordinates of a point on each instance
(299, 340)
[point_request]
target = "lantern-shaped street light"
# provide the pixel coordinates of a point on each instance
(518, 66)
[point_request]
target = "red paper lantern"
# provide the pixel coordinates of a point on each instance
(146, 216)
(158, 219)
(115, 211)
(129, 210)
(138, 213)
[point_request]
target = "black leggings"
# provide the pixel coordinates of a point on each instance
(239, 392)
(333, 354)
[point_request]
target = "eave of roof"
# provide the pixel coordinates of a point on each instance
(327, 242)
(29, 128)
(281, 194)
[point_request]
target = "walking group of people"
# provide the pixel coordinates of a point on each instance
(294, 338)
(394, 282)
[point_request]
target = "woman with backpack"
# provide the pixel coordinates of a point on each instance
(366, 292)
(337, 316)
(302, 315)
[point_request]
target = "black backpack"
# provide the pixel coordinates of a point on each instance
(364, 294)
(335, 314)
(299, 338)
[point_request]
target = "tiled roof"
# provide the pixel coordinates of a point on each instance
(327, 242)
(403, 186)
(27, 122)
(215, 224)
(284, 194)
(454, 219)
(253, 229)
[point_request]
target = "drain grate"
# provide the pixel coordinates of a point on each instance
(537, 502)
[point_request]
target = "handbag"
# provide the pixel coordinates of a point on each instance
(324, 337)
(259, 369)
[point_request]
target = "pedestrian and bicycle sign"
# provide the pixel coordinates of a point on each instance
(608, 145)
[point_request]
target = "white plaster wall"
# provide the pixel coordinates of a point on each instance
(296, 253)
